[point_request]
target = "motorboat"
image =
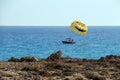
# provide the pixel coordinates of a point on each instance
(68, 41)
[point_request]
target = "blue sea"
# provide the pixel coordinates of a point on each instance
(42, 41)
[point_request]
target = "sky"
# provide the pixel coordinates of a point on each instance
(59, 12)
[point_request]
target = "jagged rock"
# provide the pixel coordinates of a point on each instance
(109, 58)
(29, 59)
(12, 59)
(63, 69)
(54, 56)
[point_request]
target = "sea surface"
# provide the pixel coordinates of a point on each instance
(43, 41)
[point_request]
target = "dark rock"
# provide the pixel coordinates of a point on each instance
(66, 79)
(12, 59)
(102, 59)
(68, 72)
(29, 59)
(30, 68)
(110, 57)
(54, 56)
(44, 73)
(52, 66)
(99, 78)
(59, 66)
(118, 66)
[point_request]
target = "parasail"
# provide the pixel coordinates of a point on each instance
(79, 27)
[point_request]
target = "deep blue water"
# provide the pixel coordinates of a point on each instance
(42, 41)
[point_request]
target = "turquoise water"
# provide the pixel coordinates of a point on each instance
(42, 41)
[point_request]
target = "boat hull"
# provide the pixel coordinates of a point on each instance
(67, 42)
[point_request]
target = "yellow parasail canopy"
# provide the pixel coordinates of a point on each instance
(79, 27)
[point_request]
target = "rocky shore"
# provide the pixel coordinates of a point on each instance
(56, 67)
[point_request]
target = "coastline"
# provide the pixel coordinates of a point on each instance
(56, 67)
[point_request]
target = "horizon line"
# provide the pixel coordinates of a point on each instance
(56, 25)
